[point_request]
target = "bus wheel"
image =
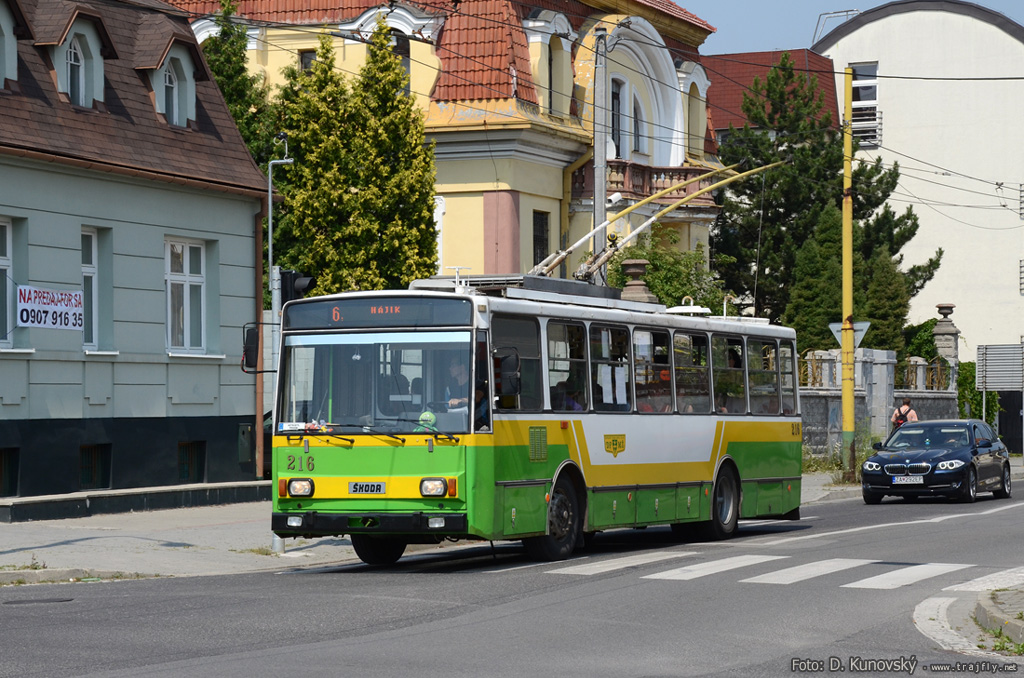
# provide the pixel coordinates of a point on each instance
(377, 550)
(725, 506)
(563, 525)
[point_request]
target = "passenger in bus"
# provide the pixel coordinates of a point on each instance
(457, 390)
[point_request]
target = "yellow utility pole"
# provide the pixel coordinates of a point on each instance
(847, 330)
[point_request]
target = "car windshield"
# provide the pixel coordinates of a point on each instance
(929, 436)
(381, 382)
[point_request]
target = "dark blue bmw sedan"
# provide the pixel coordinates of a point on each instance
(955, 458)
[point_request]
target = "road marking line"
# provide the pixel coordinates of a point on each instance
(791, 575)
(620, 563)
(998, 580)
(886, 526)
(905, 576)
(712, 567)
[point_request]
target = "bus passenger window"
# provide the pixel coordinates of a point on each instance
(522, 334)
(693, 388)
(610, 371)
(567, 367)
(764, 376)
(787, 367)
(651, 367)
(728, 376)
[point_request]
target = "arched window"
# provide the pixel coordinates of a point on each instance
(400, 47)
(171, 95)
(639, 127)
(616, 117)
(75, 63)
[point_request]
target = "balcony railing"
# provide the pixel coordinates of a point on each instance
(635, 182)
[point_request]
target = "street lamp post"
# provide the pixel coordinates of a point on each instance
(274, 277)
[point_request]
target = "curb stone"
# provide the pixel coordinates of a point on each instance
(58, 575)
(994, 617)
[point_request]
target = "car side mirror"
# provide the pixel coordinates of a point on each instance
(984, 443)
(876, 446)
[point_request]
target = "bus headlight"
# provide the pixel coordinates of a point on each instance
(433, 487)
(300, 487)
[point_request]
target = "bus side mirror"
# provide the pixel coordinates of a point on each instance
(250, 346)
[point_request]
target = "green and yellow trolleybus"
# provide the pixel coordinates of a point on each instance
(526, 408)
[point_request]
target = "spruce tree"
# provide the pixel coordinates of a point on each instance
(360, 196)
(887, 303)
(764, 222)
(815, 300)
(247, 96)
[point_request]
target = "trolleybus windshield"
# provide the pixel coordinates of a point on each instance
(376, 382)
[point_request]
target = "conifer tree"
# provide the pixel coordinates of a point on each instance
(886, 304)
(764, 222)
(247, 96)
(815, 300)
(360, 196)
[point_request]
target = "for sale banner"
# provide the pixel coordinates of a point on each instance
(55, 309)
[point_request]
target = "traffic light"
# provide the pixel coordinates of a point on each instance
(294, 285)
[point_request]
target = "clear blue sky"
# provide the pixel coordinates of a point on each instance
(762, 25)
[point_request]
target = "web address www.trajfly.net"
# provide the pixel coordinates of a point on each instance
(897, 665)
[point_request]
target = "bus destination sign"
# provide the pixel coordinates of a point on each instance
(358, 313)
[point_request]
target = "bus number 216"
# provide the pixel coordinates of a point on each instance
(300, 463)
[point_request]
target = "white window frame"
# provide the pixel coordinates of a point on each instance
(90, 280)
(618, 134)
(75, 63)
(171, 110)
(867, 123)
(182, 312)
(7, 282)
(639, 126)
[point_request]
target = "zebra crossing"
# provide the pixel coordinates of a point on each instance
(896, 575)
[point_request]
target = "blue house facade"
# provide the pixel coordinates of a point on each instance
(130, 249)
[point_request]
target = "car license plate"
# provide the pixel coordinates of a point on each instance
(366, 488)
(908, 480)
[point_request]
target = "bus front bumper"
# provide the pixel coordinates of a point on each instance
(316, 524)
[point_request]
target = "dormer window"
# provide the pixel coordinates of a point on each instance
(174, 86)
(76, 73)
(78, 63)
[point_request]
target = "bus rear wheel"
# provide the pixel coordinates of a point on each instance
(725, 506)
(374, 550)
(563, 525)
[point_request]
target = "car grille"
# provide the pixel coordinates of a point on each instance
(917, 469)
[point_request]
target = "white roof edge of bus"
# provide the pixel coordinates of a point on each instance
(689, 310)
(621, 304)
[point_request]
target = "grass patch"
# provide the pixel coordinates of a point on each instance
(260, 551)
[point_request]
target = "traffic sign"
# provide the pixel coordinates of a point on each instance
(858, 332)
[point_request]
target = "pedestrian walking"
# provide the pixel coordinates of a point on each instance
(903, 414)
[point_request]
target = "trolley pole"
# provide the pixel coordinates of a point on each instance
(847, 329)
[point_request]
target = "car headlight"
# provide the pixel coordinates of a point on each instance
(300, 487)
(433, 487)
(872, 466)
(950, 464)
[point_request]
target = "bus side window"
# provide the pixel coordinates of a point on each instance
(788, 373)
(651, 368)
(567, 366)
(728, 376)
(524, 334)
(693, 388)
(610, 372)
(763, 367)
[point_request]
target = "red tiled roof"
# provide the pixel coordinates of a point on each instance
(129, 134)
(482, 45)
(732, 75)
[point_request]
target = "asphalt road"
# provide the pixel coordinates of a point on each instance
(846, 586)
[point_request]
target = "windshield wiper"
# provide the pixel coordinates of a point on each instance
(436, 434)
(371, 429)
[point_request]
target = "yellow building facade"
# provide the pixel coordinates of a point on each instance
(508, 94)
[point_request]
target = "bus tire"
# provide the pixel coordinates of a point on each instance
(374, 550)
(563, 525)
(725, 506)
